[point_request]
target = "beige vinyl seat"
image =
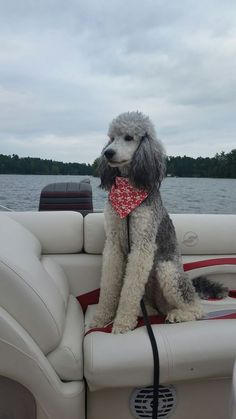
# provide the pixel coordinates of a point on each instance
(41, 322)
(196, 358)
(47, 259)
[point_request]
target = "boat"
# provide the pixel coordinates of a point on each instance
(53, 367)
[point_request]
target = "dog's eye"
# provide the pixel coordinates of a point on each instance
(128, 138)
(112, 139)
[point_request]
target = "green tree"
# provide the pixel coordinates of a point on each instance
(221, 165)
(95, 167)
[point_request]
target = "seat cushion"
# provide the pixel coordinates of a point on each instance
(206, 234)
(94, 233)
(83, 271)
(197, 234)
(27, 291)
(57, 231)
(187, 351)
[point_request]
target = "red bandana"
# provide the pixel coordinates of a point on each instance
(124, 197)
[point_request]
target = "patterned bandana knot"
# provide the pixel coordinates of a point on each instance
(124, 197)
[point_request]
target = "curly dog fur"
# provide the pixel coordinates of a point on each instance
(153, 268)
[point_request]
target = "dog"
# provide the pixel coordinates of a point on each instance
(152, 267)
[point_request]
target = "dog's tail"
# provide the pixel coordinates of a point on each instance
(209, 289)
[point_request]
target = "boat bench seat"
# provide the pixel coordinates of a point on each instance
(35, 290)
(41, 322)
(187, 351)
(50, 260)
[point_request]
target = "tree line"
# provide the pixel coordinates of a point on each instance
(222, 165)
(36, 166)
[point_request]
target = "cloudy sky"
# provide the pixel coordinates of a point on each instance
(68, 67)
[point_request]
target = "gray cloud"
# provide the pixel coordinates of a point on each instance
(67, 68)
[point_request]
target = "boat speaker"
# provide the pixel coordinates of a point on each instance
(141, 402)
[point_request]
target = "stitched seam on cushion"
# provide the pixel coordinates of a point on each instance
(54, 320)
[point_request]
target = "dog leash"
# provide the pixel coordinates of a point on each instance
(155, 353)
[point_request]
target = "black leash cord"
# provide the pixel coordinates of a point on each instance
(156, 372)
(156, 361)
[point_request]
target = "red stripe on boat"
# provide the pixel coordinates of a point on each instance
(209, 262)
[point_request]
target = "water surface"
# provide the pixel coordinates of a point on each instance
(180, 195)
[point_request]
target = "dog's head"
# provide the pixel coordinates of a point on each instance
(132, 149)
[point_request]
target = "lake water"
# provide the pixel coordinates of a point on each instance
(180, 195)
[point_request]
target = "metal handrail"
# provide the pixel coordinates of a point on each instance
(5, 208)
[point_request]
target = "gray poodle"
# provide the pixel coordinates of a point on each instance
(153, 267)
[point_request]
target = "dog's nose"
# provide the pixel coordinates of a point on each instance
(109, 153)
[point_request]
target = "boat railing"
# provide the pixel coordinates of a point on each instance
(3, 208)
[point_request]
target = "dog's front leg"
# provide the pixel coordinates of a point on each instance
(113, 268)
(140, 262)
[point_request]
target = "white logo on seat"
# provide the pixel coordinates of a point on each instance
(190, 239)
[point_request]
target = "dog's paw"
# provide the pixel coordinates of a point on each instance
(119, 328)
(180, 315)
(123, 327)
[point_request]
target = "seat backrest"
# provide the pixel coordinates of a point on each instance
(27, 290)
(206, 234)
(59, 232)
(65, 196)
(197, 234)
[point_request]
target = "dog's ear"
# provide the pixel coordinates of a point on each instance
(148, 164)
(107, 174)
